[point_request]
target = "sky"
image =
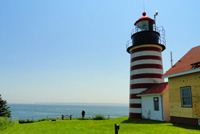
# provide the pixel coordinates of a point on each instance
(75, 50)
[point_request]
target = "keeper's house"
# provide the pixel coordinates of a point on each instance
(184, 88)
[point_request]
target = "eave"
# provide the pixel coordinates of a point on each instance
(182, 73)
(149, 94)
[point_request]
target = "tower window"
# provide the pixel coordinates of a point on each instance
(186, 97)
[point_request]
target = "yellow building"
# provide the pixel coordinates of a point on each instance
(184, 88)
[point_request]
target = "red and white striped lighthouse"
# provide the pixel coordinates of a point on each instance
(146, 61)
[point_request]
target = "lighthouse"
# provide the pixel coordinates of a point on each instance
(146, 70)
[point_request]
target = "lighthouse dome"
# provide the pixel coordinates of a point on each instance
(143, 18)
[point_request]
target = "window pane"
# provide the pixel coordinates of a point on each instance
(185, 92)
(186, 101)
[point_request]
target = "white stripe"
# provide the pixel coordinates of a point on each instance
(143, 53)
(146, 80)
(137, 90)
(146, 71)
(135, 101)
(138, 62)
(135, 110)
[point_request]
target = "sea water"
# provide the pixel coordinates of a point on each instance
(41, 111)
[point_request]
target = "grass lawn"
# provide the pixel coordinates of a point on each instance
(133, 126)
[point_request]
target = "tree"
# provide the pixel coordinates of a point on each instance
(4, 109)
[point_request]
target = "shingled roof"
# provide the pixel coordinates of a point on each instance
(189, 63)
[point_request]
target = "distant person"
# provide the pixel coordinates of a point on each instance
(83, 113)
(62, 117)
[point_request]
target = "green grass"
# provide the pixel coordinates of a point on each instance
(134, 126)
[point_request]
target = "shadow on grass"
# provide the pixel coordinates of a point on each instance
(141, 121)
(186, 126)
(146, 121)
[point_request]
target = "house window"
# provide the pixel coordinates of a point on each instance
(186, 98)
(156, 103)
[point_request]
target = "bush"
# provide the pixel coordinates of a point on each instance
(6, 122)
(99, 117)
(25, 121)
(3, 123)
(84, 118)
(42, 120)
(31, 121)
(51, 119)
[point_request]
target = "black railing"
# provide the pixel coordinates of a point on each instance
(160, 30)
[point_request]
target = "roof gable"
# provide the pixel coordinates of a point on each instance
(184, 64)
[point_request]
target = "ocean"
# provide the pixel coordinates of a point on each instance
(41, 111)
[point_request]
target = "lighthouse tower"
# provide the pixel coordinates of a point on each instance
(146, 67)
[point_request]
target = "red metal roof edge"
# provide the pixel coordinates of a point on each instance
(144, 18)
(157, 89)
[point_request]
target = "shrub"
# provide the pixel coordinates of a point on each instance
(6, 122)
(42, 120)
(84, 118)
(99, 117)
(51, 119)
(3, 123)
(25, 121)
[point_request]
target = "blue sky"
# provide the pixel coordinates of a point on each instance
(75, 51)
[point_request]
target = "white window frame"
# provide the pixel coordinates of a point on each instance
(188, 96)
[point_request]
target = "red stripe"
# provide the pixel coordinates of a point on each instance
(146, 49)
(146, 76)
(134, 96)
(146, 57)
(135, 106)
(146, 66)
(135, 115)
(143, 85)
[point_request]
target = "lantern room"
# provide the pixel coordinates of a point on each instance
(146, 32)
(144, 23)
